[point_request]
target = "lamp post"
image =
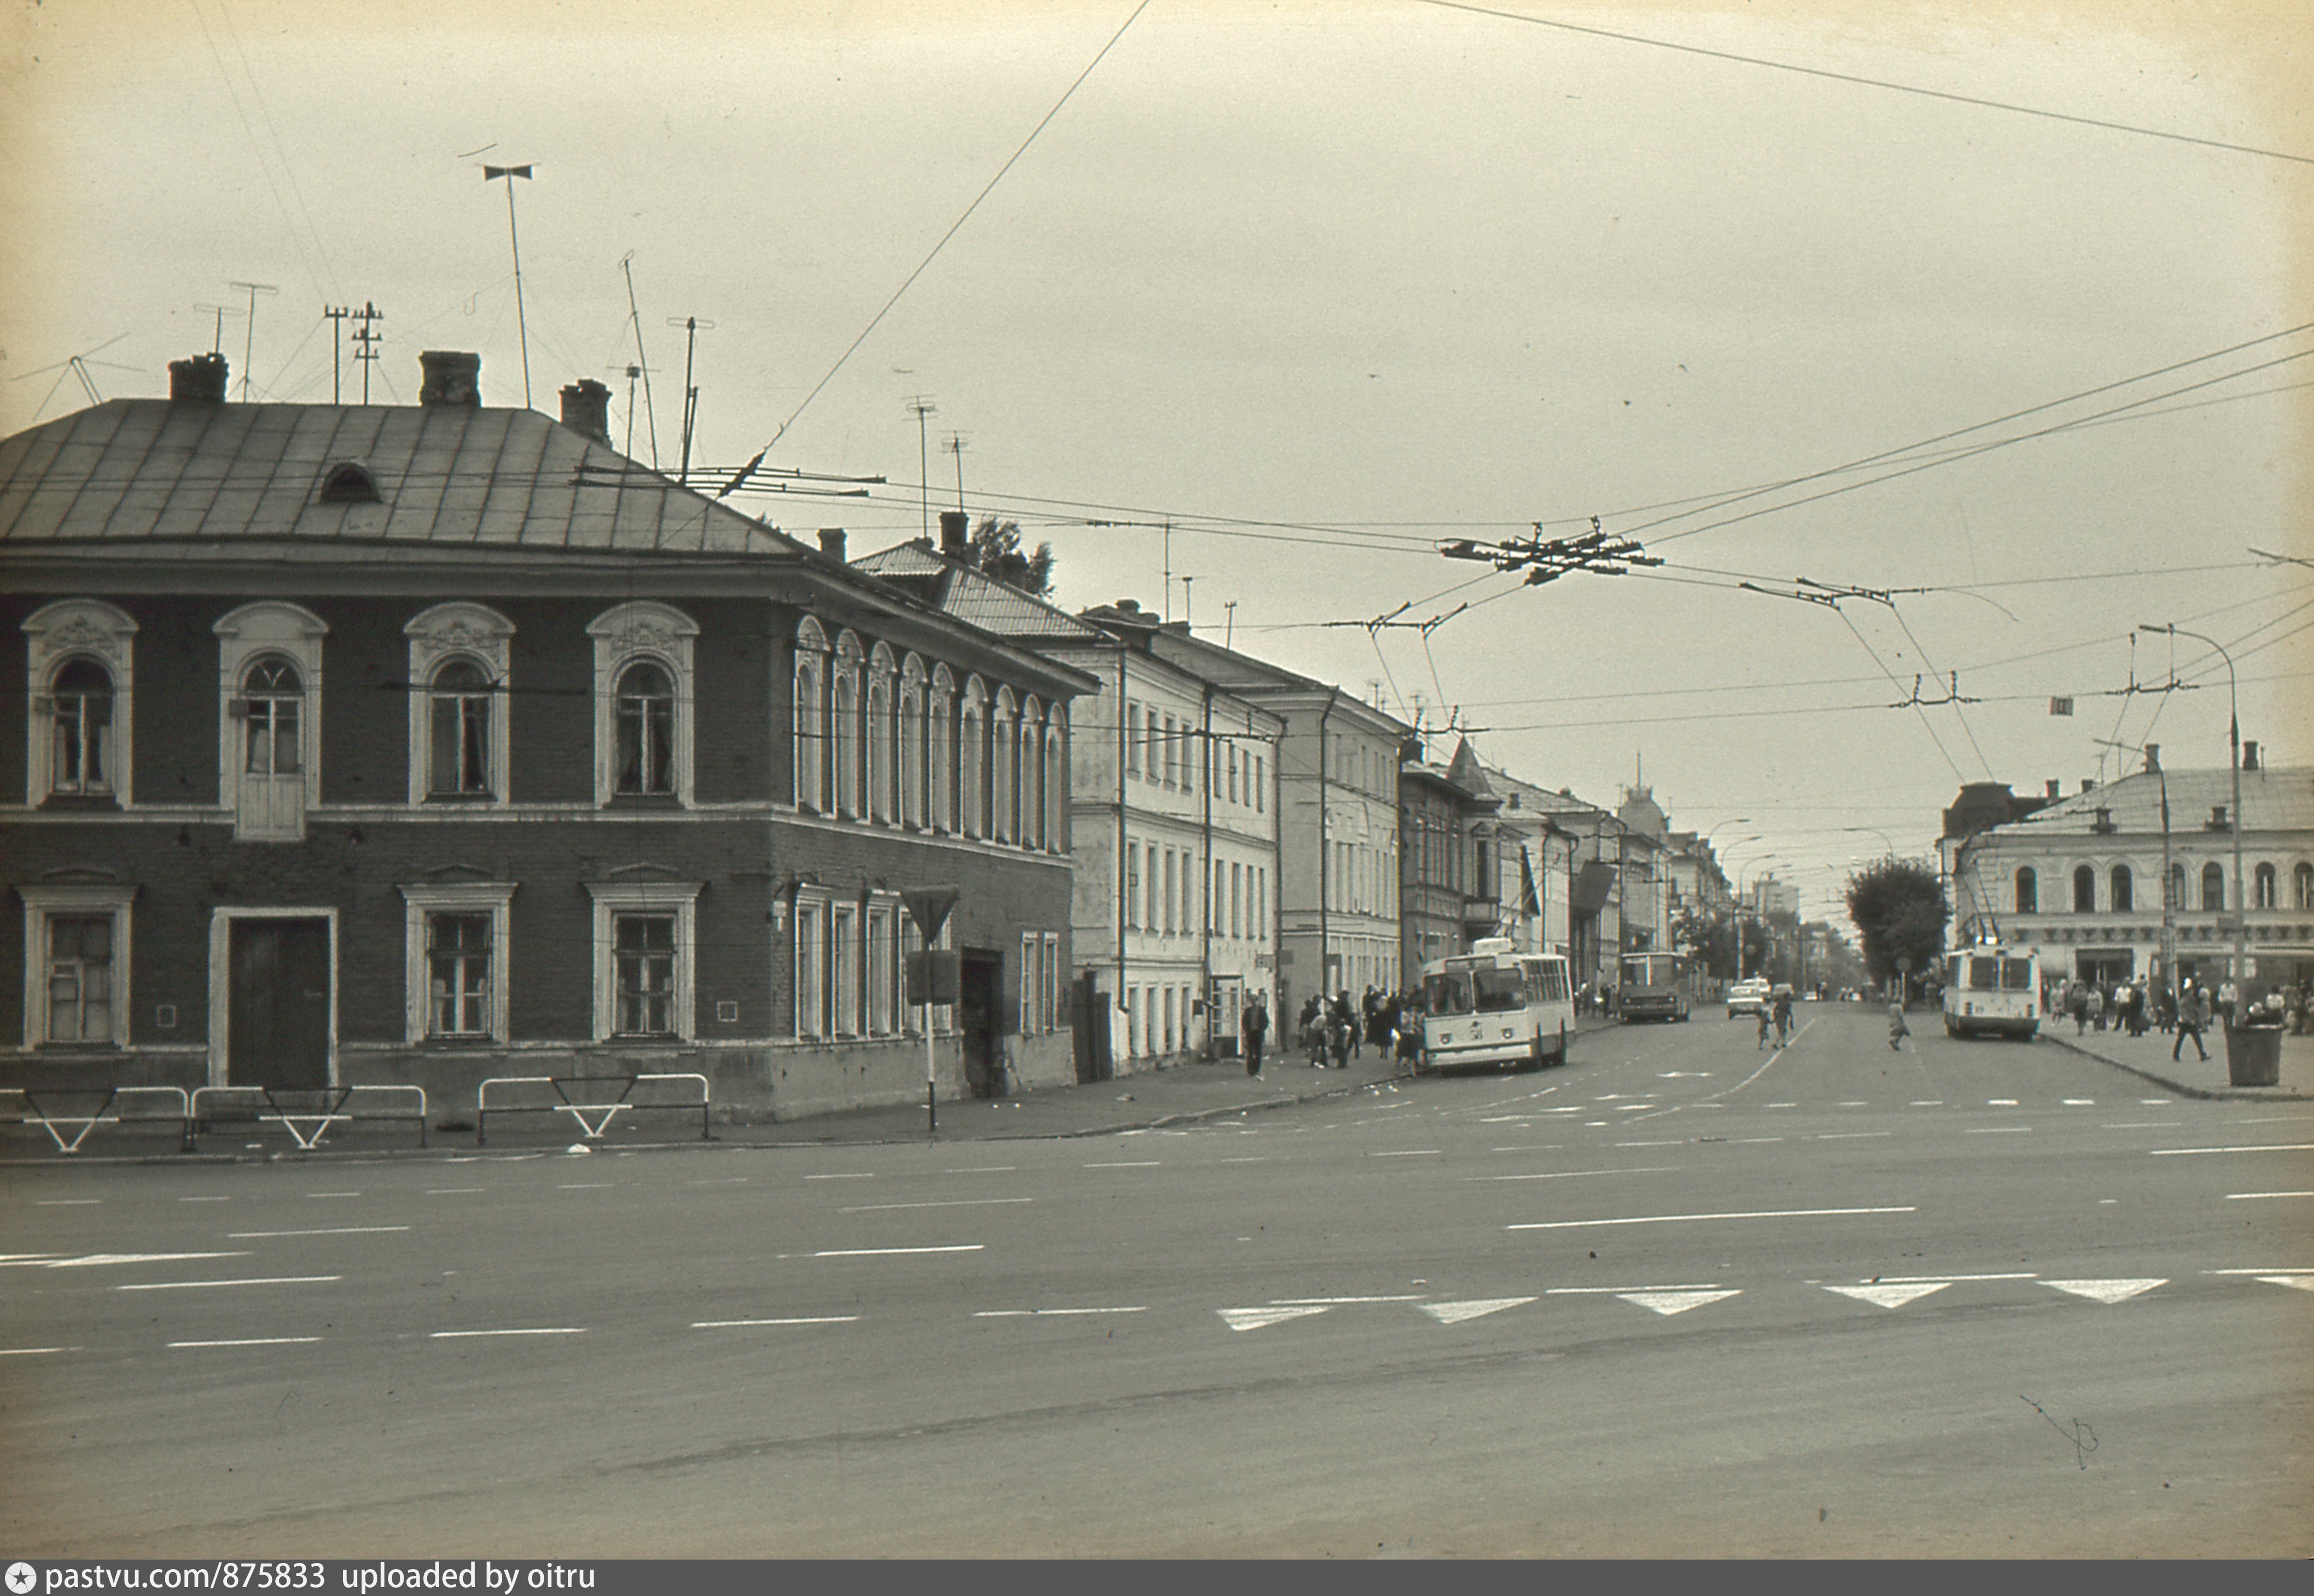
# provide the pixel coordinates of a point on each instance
(2239, 970)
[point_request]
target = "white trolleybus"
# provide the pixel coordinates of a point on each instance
(1493, 1006)
(1993, 990)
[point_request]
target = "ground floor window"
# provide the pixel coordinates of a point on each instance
(644, 957)
(77, 945)
(80, 978)
(458, 969)
(455, 960)
(646, 935)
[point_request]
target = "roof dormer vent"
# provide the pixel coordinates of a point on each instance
(349, 483)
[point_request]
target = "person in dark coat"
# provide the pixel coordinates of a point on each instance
(1254, 1024)
(2193, 1014)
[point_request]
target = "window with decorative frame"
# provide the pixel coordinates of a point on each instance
(459, 658)
(76, 963)
(811, 728)
(1048, 988)
(883, 739)
(844, 961)
(455, 960)
(644, 702)
(913, 730)
(1031, 961)
(2302, 886)
(1004, 767)
(2265, 887)
(2123, 890)
(883, 965)
(971, 758)
(1132, 886)
(80, 675)
(1056, 778)
(940, 754)
(2213, 888)
(2028, 891)
(2084, 890)
(1032, 773)
(1131, 737)
(646, 942)
(844, 713)
(269, 680)
(810, 967)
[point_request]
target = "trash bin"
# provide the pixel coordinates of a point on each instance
(2254, 1056)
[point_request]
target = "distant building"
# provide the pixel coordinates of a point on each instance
(2082, 878)
(1450, 850)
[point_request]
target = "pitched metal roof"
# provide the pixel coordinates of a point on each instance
(959, 590)
(2272, 801)
(198, 477)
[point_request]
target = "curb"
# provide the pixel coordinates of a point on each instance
(2239, 1094)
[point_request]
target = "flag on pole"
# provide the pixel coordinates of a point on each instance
(2061, 706)
(1530, 900)
(492, 173)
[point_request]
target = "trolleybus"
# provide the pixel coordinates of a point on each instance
(1494, 1006)
(1992, 990)
(1653, 986)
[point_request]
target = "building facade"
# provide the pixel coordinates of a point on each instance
(424, 745)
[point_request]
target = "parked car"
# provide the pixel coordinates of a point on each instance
(1747, 997)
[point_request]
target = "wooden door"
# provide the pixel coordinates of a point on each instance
(278, 1021)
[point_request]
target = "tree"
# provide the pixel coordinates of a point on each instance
(1899, 909)
(995, 551)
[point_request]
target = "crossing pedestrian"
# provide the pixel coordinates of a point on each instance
(1255, 1025)
(1897, 1029)
(2192, 1016)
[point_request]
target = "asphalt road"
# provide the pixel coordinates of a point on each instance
(1684, 1296)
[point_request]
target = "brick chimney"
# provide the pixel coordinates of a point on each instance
(831, 543)
(587, 408)
(2053, 788)
(452, 376)
(956, 533)
(202, 378)
(2249, 756)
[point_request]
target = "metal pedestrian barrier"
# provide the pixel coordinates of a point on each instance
(307, 1113)
(46, 1106)
(587, 1098)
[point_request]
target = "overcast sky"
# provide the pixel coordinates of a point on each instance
(1321, 286)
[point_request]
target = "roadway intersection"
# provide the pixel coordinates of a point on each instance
(1684, 1295)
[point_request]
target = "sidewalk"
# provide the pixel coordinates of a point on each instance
(2148, 1056)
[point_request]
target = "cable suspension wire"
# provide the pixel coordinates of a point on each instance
(1873, 83)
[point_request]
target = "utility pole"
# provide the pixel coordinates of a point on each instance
(338, 313)
(491, 174)
(365, 342)
(922, 409)
(691, 326)
(248, 334)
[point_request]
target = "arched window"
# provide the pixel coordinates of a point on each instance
(643, 756)
(810, 716)
(912, 742)
(269, 660)
(883, 745)
(1056, 778)
(2084, 890)
(458, 732)
(2214, 887)
(2124, 891)
(1003, 766)
(2176, 898)
(845, 698)
(2303, 880)
(941, 759)
(971, 757)
(2028, 892)
(80, 718)
(1032, 773)
(2265, 892)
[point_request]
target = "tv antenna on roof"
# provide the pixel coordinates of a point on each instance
(491, 174)
(248, 333)
(954, 444)
(922, 409)
(691, 326)
(641, 369)
(75, 366)
(221, 312)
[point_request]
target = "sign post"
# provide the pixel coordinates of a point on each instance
(928, 907)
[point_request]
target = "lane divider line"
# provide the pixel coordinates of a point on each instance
(253, 1341)
(336, 1230)
(880, 1252)
(474, 1334)
(188, 1285)
(958, 1203)
(1667, 1219)
(740, 1323)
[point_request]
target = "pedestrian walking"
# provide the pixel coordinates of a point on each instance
(2228, 997)
(1255, 1025)
(2191, 1018)
(1783, 1016)
(2096, 1008)
(1766, 1021)
(1897, 1029)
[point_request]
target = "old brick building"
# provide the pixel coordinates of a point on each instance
(426, 744)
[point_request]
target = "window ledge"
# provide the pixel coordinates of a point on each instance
(644, 800)
(99, 801)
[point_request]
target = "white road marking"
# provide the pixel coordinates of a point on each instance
(205, 1199)
(2273, 1119)
(2001, 1102)
(1245, 1160)
(1752, 1141)
(2080, 1102)
(188, 1285)
(587, 1185)
(1916, 1279)
(2285, 1270)
(1335, 1302)
(2142, 1124)
(2104, 1291)
(1052, 1313)
(1256, 1318)
(1667, 1218)
(2163, 1152)
(1620, 1291)
(720, 1180)
(33, 1352)
(1783, 1104)
(1674, 1141)
(2154, 1102)
(1997, 1130)
(1684, 1075)
(1854, 1104)
(471, 1334)
(454, 1191)
(2302, 1281)
(958, 1203)
(1421, 1152)
(1574, 1174)
(336, 1230)
(1127, 1164)
(1848, 1135)
(2239, 1196)
(881, 1252)
(68, 1201)
(1890, 1295)
(986, 1169)
(332, 1193)
(253, 1341)
(741, 1324)
(1927, 1103)
(1455, 1313)
(1670, 1302)
(95, 1258)
(852, 1175)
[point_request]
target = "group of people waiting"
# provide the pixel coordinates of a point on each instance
(2134, 1007)
(1337, 1029)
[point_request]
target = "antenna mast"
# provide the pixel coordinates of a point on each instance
(249, 337)
(491, 174)
(641, 369)
(691, 326)
(922, 409)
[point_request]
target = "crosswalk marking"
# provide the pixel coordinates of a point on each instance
(1455, 1313)
(1888, 1296)
(1670, 1302)
(1256, 1318)
(2105, 1291)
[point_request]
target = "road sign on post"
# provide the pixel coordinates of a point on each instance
(928, 907)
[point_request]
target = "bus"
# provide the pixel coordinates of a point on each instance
(1494, 1006)
(1992, 990)
(1653, 986)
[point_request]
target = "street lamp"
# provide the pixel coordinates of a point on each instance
(2240, 967)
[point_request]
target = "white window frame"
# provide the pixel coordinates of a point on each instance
(1031, 966)
(55, 635)
(809, 716)
(972, 760)
(913, 728)
(624, 635)
(421, 899)
(613, 898)
(881, 804)
(940, 754)
(244, 637)
(46, 903)
(441, 636)
(1048, 990)
(846, 709)
(846, 954)
(882, 962)
(1056, 778)
(811, 967)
